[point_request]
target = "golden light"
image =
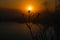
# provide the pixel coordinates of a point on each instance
(29, 8)
(32, 8)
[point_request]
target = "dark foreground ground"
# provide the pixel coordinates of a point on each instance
(21, 31)
(15, 26)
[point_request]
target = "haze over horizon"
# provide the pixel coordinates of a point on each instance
(22, 4)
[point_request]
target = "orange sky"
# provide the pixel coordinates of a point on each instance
(22, 4)
(37, 5)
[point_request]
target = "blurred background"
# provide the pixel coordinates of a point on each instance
(29, 19)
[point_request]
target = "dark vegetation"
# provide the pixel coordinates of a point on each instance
(46, 18)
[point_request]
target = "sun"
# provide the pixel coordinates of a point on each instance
(29, 8)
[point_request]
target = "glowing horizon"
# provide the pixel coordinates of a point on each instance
(38, 5)
(29, 8)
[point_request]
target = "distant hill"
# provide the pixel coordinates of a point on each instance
(11, 14)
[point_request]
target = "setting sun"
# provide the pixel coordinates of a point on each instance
(29, 8)
(32, 7)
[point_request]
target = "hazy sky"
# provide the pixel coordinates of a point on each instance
(22, 3)
(16, 3)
